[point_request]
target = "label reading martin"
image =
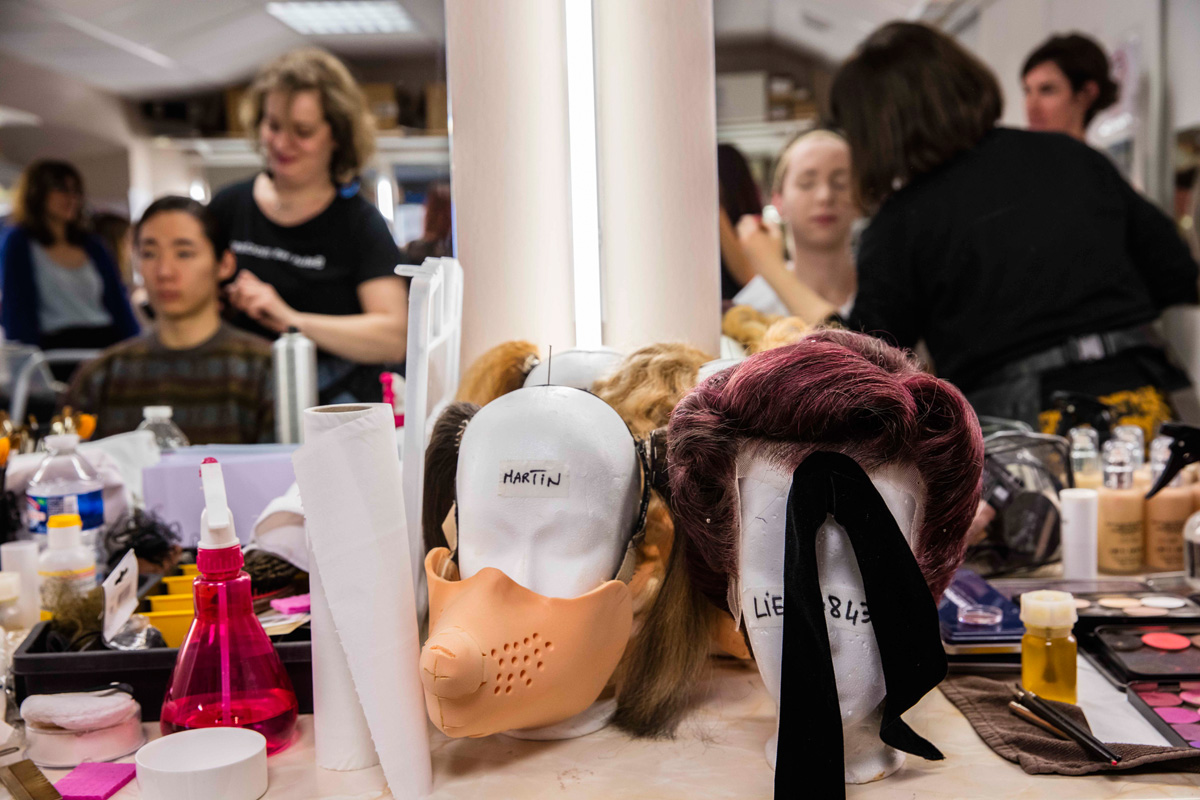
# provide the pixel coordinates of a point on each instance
(534, 479)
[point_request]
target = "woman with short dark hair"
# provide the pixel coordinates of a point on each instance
(1024, 261)
(61, 287)
(1067, 83)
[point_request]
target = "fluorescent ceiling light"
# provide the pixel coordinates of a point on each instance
(335, 17)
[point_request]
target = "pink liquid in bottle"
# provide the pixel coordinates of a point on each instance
(227, 672)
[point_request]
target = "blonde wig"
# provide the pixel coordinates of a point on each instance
(757, 331)
(497, 372)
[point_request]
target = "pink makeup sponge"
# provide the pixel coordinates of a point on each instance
(95, 781)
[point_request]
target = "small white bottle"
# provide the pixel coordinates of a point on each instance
(67, 567)
(158, 420)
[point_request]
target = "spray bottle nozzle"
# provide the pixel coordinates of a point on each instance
(1184, 450)
(216, 523)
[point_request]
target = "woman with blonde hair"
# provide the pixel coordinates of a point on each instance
(811, 190)
(312, 254)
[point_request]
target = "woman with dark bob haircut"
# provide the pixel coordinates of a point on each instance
(1066, 85)
(61, 287)
(1024, 260)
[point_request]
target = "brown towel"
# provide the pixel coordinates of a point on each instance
(984, 702)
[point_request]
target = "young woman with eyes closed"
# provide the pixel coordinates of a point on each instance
(811, 191)
(312, 255)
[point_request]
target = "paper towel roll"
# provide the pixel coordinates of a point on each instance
(1080, 523)
(22, 558)
(350, 486)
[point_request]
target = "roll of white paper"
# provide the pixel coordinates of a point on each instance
(22, 558)
(349, 476)
(1080, 523)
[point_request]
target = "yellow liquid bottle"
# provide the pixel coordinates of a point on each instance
(1048, 649)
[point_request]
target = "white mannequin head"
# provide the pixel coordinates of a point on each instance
(734, 443)
(549, 486)
(763, 488)
(576, 368)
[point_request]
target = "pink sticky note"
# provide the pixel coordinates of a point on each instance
(95, 781)
(296, 604)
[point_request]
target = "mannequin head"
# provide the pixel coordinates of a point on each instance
(577, 368)
(528, 624)
(734, 443)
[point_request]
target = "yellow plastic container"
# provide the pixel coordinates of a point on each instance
(189, 569)
(1048, 647)
(173, 625)
(179, 584)
(172, 602)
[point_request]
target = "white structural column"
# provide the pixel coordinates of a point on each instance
(509, 171)
(656, 140)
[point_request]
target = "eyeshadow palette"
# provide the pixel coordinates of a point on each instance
(1146, 652)
(1172, 707)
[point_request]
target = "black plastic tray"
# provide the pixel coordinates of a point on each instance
(147, 671)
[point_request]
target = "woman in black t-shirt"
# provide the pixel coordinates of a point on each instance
(312, 254)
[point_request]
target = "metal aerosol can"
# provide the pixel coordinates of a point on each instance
(294, 362)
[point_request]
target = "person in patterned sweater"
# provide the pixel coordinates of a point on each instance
(215, 377)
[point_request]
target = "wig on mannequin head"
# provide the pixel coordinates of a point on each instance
(757, 331)
(833, 390)
(497, 372)
(644, 390)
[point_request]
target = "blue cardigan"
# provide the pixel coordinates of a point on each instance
(19, 296)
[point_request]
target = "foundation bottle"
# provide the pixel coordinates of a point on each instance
(1136, 437)
(1085, 457)
(1191, 478)
(1191, 551)
(1120, 538)
(1166, 513)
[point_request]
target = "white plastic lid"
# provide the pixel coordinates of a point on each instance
(10, 586)
(151, 412)
(230, 763)
(62, 442)
(1048, 609)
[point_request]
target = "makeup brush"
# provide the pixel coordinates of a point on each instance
(1073, 730)
(1024, 713)
(25, 781)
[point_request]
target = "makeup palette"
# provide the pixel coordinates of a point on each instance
(1147, 652)
(1172, 707)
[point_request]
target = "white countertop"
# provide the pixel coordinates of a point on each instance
(719, 754)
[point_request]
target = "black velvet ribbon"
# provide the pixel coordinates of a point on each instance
(810, 759)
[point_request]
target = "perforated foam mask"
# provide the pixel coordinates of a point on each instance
(577, 368)
(527, 628)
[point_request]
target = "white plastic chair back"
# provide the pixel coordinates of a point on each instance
(435, 312)
(25, 372)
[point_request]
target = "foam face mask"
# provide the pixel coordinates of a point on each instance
(549, 488)
(502, 657)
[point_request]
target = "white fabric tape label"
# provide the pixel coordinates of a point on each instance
(762, 606)
(846, 608)
(534, 479)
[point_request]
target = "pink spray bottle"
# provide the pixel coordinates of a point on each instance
(227, 673)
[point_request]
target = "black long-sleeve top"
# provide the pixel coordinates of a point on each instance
(1013, 247)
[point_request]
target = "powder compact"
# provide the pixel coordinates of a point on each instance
(1172, 707)
(1126, 653)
